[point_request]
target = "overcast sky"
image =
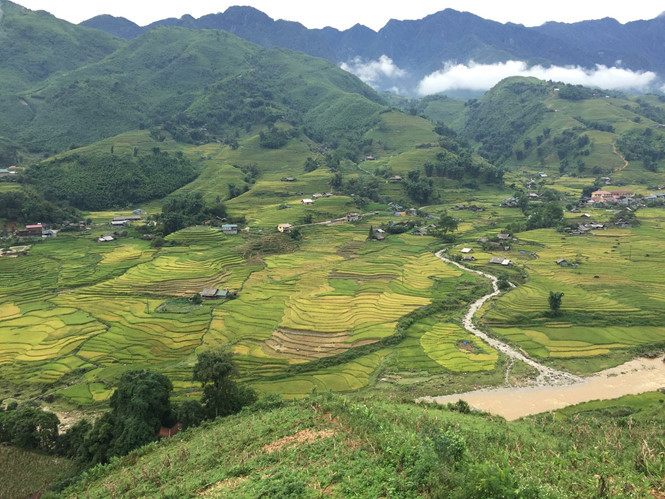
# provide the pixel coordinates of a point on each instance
(343, 14)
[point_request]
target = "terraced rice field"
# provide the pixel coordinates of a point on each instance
(77, 307)
(613, 291)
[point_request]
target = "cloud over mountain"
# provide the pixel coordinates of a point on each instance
(473, 76)
(371, 72)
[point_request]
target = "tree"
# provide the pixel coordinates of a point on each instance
(215, 369)
(189, 413)
(336, 181)
(371, 232)
(555, 301)
(447, 224)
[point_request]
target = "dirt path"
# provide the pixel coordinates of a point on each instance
(625, 161)
(637, 376)
(552, 389)
(546, 375)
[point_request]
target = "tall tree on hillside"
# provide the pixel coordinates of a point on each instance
(222, 396)
(555, 301)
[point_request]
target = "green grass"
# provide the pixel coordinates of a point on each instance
(24, 473)
(339, 447)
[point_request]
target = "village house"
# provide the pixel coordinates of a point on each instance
(215, 293)
(562, 261)
(119, 223)
(317, 195)
(285, 228)
(288, 179)
(128, 218)
(49, 233)
(353, 217)
(165, 432)
(230, 229)
(601, 197)
(395, 178)
(420, 232)
(497, 260)
(369, 157)
(106, 238)
(307, 201)
(503, 237)
(34, 230)
(469, 258)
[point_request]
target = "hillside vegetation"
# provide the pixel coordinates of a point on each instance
(341, 447)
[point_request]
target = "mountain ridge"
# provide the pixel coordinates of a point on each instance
(421, 47)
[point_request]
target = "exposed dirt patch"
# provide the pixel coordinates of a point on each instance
(229, 483)
(303, 437)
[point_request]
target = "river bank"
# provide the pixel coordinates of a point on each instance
(636, 376)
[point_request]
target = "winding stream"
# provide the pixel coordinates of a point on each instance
(553, 389)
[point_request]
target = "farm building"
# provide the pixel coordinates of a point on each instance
(380, 237)
(307, 201)
(287, 179)
(466, 251)
(284, 228)
(230, 229)
(497, 260)
(562, 261)
(396, 178)
(469, 258)
(353, 217)
(318, 195)
(165, 432)
(215, 293)
(127, 218)
(503, 237)
(107, 238)
(31, 231)
(48, 233)
(119, 223)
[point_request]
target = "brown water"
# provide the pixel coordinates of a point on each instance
(636, 376)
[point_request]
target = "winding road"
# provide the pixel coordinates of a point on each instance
(546, 375)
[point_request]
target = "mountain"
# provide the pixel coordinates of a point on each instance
(198, 82)
(35, 45)
(116, 26)
(420, 47)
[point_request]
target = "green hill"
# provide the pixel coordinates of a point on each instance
(201, 86)
(334, 446)
(579, 131)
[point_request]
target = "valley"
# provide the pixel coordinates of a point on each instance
(233, 269)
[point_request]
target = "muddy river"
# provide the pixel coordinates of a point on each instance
(636, 376)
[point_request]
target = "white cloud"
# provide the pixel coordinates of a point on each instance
(474, 76)
(372, 71)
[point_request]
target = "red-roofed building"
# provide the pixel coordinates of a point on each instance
(165, 432)
(31, 231)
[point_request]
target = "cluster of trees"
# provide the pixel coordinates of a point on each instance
(420, 190)
(99, 181)
(596, 125)
(576, 92)
(643, 145)
(140, 405)
(28, 206)
(571, 143)
(8, 153)
(188, 209)
(274, 138)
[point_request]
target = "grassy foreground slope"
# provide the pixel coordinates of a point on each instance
(338, 447)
